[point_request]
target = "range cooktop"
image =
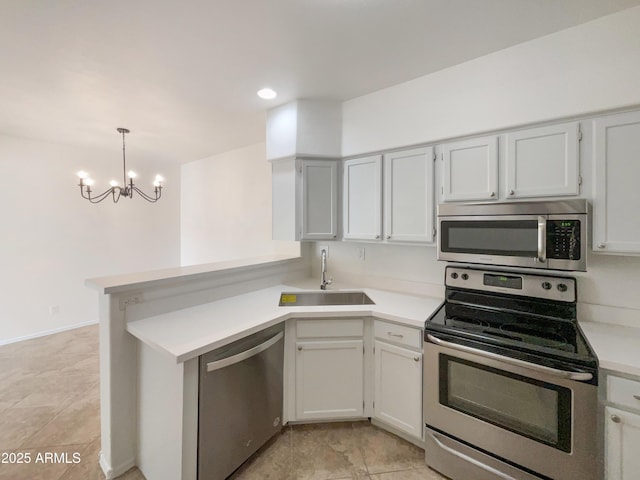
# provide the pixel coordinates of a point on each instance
(532, 315)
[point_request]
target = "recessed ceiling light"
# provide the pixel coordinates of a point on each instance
(267, 93)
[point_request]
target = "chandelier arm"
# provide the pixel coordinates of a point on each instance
(102, 196)
(145, 196)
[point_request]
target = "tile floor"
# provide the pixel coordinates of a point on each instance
(50, 410)
(50, 404)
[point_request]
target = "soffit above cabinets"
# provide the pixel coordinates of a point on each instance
(183, 77)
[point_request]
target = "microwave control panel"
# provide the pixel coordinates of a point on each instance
(563, 239)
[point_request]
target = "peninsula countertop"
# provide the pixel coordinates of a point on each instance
(187, 333)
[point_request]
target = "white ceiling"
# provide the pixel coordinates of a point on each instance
(182, 75)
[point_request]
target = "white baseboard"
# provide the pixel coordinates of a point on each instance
(111, 472)
(47, 332)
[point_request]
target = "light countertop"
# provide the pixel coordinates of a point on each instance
(617, 347)
(190, 332)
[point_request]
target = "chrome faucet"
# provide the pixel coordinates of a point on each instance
(323, 266)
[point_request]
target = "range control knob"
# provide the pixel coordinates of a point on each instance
(562, 287)
(454, 275)
(464, 276)
(546, 285)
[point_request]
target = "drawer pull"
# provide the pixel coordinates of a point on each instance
(615, 418)
(416, 359)
(299, 348)
(398, 335)
(637, 397)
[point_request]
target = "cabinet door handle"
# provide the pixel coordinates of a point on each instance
(391, 334)
(492, 194)
(601, 245)
(511, 192)
(299, 348)
(377, 236)
(637, 397)
(615, 418)
(416, 359)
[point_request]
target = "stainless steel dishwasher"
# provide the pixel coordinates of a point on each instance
(240, 401)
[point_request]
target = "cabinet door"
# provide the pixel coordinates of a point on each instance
(543, 161)
(408, 196)
(398, 387)
(470, 170)
(616, 196)
(622, 444)
(362, 200)
(329, 379)
(319, 199)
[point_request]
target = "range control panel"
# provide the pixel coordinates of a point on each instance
(525, 284)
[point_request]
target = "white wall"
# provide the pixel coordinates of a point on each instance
(52, 239)
(226, 208)
(588, 68)
(592, 67)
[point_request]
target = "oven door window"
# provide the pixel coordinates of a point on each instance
(537, 410)
(515, 238)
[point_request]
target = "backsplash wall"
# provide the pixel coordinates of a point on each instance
(607, 292)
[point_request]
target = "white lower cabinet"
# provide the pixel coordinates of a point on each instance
(622, 430)
(398, 387)
(329, 379)
(356, 368)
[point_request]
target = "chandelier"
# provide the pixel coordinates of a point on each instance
(116, 191)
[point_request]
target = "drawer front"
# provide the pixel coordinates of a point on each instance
(326, 327)
(623, 392)
(400, 334)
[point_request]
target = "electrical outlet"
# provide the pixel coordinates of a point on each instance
(325, 248)
(134, 299)
(361, 253)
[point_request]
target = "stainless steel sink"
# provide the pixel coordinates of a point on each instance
(297, 299)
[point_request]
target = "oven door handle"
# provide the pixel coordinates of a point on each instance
(542, 240)
(579, 376)
(466, 458)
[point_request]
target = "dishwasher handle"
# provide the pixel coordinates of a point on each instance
(239, 357)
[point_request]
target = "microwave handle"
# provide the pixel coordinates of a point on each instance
(542, 240)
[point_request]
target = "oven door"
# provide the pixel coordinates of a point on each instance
(512, 240)
(532, 416)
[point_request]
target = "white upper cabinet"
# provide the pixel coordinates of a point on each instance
(543, 161)
(616, 197)
(470, 170)
(362, 198)
(319, 199)
(408, 196)
(304, 199)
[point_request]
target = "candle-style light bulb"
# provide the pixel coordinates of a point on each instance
(113, 183)
(89, 182)
(158, 181)
(82, 174)
(132, 174)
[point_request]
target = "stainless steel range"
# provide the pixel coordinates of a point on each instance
(510, 382)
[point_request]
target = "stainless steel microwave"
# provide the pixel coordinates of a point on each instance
(547, 235)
